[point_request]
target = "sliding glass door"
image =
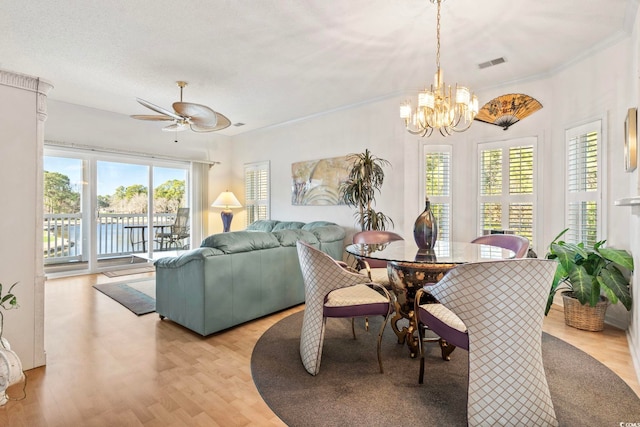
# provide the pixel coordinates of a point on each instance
(100, 210)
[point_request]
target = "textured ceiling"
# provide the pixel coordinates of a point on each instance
(268, 62)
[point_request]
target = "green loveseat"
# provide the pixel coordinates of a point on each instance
(240, 276)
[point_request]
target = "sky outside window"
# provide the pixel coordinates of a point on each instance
(111, 175)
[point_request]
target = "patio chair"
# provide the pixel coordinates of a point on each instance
(494, 310)
(178, 232)
(331, 290)
(518, 244)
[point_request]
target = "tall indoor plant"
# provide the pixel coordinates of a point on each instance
(586, 272)
(365, 178)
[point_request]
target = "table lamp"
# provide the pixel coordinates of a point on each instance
(227, 201)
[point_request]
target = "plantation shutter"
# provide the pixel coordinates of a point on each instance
(521, 183)
(507, 187)
(583, 189)
(491, 172)
(437, 184)
(256, 186)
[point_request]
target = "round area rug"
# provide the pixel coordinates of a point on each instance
(350, 391)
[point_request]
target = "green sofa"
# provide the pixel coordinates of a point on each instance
(240, 276)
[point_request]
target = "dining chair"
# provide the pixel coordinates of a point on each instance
(331, 290)
(518, 244)
(376, 269)
(494, 310)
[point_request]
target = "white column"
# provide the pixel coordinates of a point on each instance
(23, 110)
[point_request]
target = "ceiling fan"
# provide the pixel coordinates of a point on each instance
(199, 118)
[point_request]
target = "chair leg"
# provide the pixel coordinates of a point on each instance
(446, 349)
(353, 327)
(421, 346)
(384, 324)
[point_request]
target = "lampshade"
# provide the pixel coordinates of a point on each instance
(226, 200)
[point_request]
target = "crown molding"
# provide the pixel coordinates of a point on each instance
(25, 82)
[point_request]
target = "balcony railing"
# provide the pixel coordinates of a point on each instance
(64, 235)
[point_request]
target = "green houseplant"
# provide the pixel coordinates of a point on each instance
(359, 190)
(586, 272)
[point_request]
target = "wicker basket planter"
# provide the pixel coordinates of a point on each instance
(583, 316)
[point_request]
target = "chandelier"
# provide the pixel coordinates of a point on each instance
(440, 107)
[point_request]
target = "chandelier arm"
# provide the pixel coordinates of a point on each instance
(419, 132)
(464, 128)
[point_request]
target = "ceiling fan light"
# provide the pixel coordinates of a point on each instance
(197, 117)
(176, 127)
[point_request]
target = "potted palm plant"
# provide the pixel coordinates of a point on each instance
(359, 190)
(584, 274)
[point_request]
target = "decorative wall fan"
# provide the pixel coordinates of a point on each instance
(507, 110)
(199, 118)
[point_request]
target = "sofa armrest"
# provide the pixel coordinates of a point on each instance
(182, 259)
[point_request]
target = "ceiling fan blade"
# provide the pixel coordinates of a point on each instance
(199, 114)
(175, 127)
(151, 117)
(159, 109)
(222, 123)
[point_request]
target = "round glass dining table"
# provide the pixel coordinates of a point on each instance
(411, 268)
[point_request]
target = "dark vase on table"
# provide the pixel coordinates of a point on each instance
(425, 229)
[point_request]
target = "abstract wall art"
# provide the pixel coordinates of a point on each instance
(317, 182)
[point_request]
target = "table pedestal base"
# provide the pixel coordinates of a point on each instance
(406, 279)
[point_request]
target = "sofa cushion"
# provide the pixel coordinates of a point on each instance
(290, 237)
(288, 225)
(241, 241)
(315, 224)
(263, 225)
(329, 233)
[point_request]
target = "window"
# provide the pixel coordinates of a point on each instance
(583, 183)
(102, 207)
(256, 190)
(507, 187)
(437, 186)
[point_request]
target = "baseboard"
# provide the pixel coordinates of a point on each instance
(633, 351)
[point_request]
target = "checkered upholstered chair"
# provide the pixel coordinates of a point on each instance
(376, 269)
(495, 311)
(518, 244)
(331, 290)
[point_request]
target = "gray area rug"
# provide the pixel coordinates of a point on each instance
(350, 391)
(136, 270)
(136, 296)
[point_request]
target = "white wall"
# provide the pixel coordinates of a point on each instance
(633, 333)
(374, 126)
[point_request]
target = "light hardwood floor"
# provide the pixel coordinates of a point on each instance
(108, 367)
